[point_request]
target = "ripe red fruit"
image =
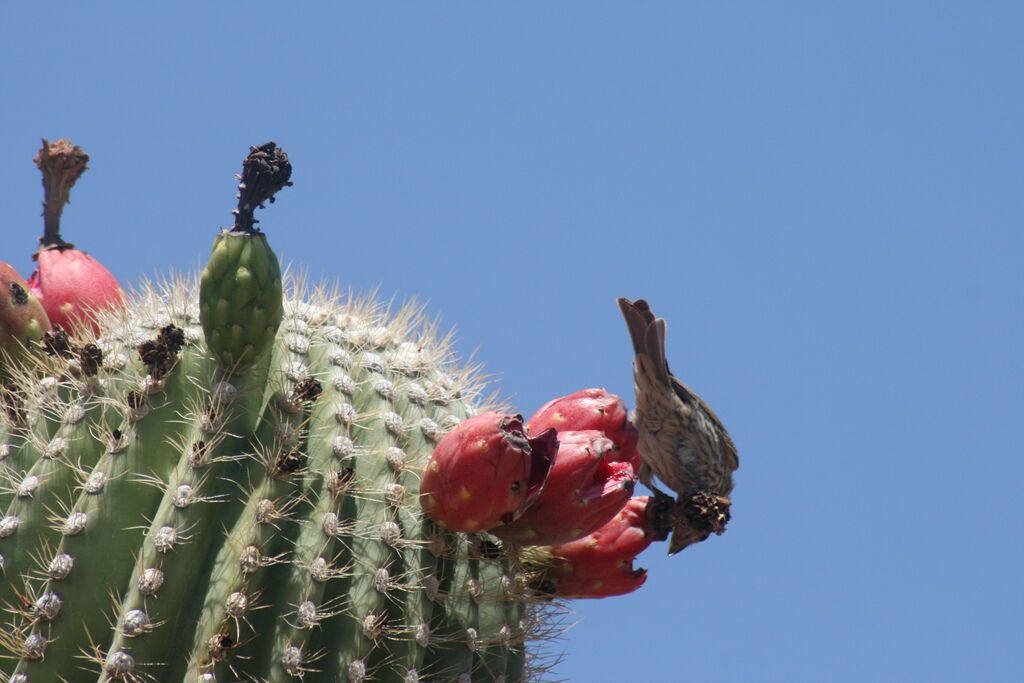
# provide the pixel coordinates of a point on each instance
(586, 488)
(592, 409)
(70, 284)
(486, 472)
(22, 318)
(601, 564)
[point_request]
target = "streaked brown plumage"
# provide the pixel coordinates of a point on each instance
(682, 441)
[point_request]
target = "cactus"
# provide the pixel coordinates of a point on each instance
(186, 523)
(185, 500)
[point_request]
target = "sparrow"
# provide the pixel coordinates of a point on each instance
(681, 440)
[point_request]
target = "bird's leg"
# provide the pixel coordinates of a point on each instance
(660, 508)
(659, 516)
(646, 477)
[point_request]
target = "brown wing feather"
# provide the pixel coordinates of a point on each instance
(729, 450)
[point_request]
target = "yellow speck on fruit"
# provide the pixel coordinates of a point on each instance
(472, 523)
(464, 494)
(67, 308)
(434, 466)
(430, 502)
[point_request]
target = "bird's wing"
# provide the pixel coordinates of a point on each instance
(686, 394)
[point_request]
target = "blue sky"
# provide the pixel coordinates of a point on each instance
(823, 199)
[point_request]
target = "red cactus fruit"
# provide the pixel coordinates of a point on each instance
(601, 564)
(592, 409)
(22, 318)
(70, 284)
(486, 472)
(586, 488)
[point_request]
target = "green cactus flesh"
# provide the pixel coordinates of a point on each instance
(168, 520)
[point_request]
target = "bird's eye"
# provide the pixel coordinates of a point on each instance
(516, 486)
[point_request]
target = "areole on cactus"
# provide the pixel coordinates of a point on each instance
(245, 479)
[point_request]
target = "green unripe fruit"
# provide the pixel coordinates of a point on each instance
(240, 291)
(240, 299)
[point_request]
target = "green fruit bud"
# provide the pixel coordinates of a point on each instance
(240, 299)
(240, 292)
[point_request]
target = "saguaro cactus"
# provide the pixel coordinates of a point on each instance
(262, 525)
(238, 500)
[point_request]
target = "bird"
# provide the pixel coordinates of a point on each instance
(680, 439)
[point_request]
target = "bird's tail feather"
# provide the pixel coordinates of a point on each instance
(647, 333)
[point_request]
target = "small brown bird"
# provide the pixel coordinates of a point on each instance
(681, 440)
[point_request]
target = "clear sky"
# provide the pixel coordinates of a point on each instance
(824, 200)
